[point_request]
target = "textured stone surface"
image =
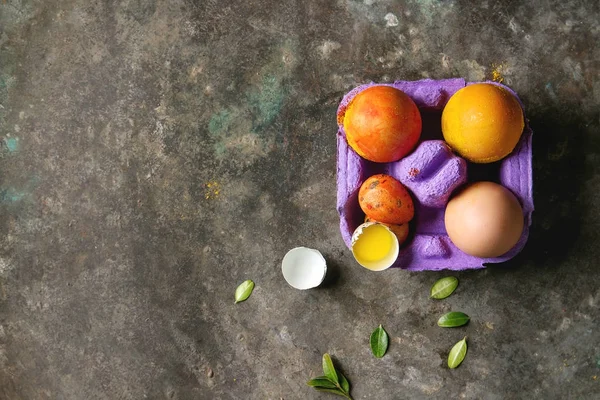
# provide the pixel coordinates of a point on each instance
(155, 154)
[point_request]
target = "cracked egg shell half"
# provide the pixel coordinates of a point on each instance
(303, 268)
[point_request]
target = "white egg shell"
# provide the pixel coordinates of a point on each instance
(303, 268)
(384, 263)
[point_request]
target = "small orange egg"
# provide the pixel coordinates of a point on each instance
(484, 220)
(383, 198)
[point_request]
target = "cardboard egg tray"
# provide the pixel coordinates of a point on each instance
(431, 172)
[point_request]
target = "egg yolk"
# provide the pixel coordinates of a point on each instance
(374, 244)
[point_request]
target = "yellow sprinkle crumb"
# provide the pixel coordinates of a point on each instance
(213, 190)
(595, 377)
(497, 73)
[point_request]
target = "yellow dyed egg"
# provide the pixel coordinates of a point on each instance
(482, 122)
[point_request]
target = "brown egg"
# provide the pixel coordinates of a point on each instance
(484, 220)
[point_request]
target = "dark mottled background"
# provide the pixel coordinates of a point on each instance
(155, 154)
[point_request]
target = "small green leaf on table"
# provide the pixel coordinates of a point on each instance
(444, 287)
(244, 291)
(321, 382)
(344, 382)
(329, 369)
(453, 319)
(332, 381)
(379, 342)
(457, 354)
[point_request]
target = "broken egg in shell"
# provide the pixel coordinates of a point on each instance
(375, 246)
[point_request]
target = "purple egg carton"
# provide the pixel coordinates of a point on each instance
(431, 172)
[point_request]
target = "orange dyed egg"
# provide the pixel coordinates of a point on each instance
(483, 122)
(382, 124)
(386, 200)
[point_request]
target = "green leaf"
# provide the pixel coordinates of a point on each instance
(344, 383)
(322, 382)
(453, 319)
(244, 291)
(379, 342)
(333, 381)
(457, 354)
(444, 287)
(329, 369)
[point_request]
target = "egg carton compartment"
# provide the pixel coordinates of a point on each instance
(431, 172)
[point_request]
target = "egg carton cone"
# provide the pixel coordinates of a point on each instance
(432, 172)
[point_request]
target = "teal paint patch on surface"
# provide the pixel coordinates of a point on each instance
(220, 126)
(220, 122)
(233, 126)
(266, 103)
(429, 8)
(220, 148)
(12, 144)
(11, 195)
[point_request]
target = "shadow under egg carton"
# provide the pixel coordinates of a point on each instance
(432, 173)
